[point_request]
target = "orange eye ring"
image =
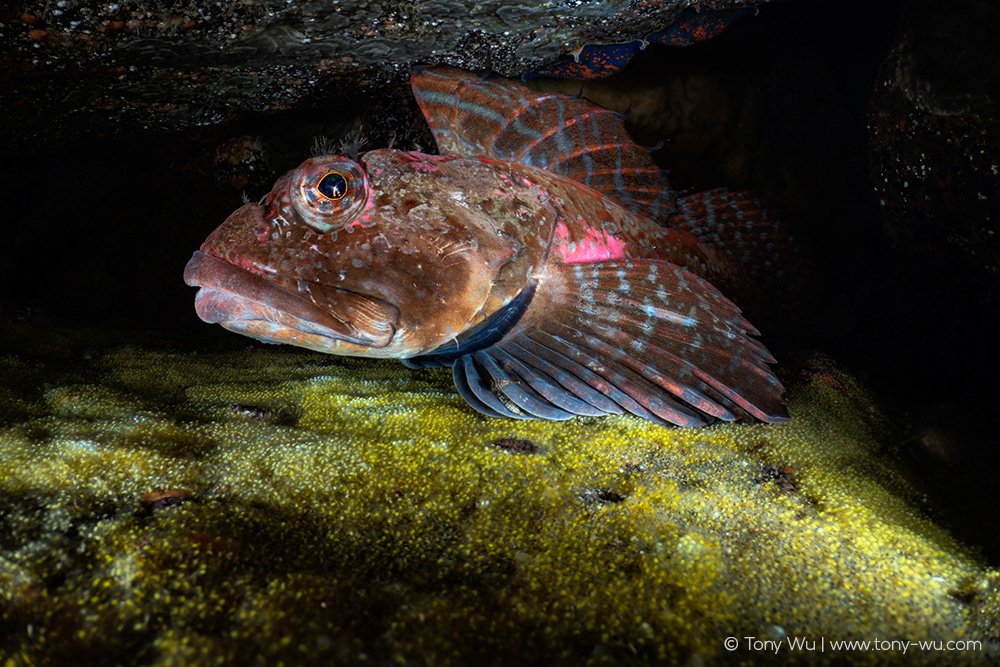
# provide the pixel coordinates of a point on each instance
(332, 186)
(326, 193)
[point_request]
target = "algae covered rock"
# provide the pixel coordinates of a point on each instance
(162, 506)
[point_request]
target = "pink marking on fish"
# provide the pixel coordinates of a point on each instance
(595, 246)
(462, 259)
(423, 163)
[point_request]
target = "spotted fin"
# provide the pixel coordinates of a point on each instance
(637, 336)
(752, 235)
(591, 61)
(694, 26)
(500, 119)
(594, 61)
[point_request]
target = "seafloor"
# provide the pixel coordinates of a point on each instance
(265, 505)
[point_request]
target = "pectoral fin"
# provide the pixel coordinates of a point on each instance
(644, 337)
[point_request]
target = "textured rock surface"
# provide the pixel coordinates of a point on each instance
(935, 159)
(935, 149)
(142, 513)
(73, 67)
(166, 507)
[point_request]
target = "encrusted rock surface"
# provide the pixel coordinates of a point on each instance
(73, 67)
(163, 506)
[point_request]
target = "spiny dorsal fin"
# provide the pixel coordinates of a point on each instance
(500, 119)
(637, 336)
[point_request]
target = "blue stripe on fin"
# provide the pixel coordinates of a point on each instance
(587, 369)
(610, 365)
(666, 336)
(518, 393)
(550, 382)
(476, 393)
(554, 365)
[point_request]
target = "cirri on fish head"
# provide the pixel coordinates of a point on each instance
(541, 255)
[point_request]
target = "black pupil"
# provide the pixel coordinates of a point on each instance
(332, 186)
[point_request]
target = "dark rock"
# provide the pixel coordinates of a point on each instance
(935, 161)
(135, 67)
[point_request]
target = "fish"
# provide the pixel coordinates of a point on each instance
(541, 254)
(595, 61)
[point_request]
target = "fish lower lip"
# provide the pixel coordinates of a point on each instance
(245, 302)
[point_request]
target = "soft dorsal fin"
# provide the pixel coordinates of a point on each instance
(753, 235)
(500, 119)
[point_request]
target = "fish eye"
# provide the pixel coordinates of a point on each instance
(325, 193)
(333, 185)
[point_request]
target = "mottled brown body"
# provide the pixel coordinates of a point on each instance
(451, 239)
(548, 296)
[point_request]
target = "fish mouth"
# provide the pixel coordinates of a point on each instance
(316, 316)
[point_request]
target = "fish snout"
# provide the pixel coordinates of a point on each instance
(314, 316)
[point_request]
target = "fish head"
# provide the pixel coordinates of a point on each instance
(392, 255)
